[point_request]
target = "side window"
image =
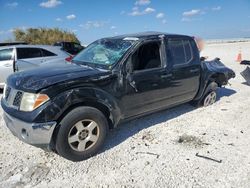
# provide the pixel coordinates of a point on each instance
(25, 53)
(47, 53)
(6, 54)
(147, 56)
(179, 51)
(187, 50)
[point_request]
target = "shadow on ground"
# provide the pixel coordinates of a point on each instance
(224, 92)
(126, 130)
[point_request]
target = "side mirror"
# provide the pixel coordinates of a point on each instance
(129, 76)
(129, 66)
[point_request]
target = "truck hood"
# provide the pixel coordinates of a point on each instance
(36, 79)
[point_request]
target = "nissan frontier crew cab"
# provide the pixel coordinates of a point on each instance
(68, 108)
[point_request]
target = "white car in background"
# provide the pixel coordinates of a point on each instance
(22, 57)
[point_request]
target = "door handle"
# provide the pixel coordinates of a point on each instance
(133, 85)
(194, 70)
(166, 75)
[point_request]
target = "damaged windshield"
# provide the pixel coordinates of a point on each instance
(104, 52)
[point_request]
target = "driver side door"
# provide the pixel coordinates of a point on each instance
(145, 80)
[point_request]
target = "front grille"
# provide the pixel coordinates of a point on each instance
(17, 99)
(13, 97)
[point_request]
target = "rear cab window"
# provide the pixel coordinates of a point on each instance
(26, 53)
(179, 51)
(6, 54)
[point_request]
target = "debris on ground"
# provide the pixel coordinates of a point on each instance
(148, 153)
(208, 158)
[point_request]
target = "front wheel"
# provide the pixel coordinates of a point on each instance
(81, 133)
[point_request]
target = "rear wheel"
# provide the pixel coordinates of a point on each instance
(81, 134)
(210, 98)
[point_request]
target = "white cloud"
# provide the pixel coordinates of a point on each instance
(113, 27)
(192, 12)
(12, 5)
(218, 8)
(137, 12)
(142, 2)
(160, 15)
(164, 21)
(149, 10)
(58, 19)
(50, 3)
(71, 17)
(93, 24)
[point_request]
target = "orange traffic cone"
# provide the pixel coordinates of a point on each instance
(239, 57)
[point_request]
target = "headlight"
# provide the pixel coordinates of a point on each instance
(31, 101)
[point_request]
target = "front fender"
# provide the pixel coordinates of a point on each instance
(61, 103)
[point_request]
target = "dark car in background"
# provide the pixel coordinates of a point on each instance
(70, 47)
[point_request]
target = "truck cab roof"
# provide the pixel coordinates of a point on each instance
(146, 35)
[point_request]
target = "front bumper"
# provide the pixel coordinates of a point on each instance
(37, 134)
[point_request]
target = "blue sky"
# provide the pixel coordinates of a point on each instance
(93, 19)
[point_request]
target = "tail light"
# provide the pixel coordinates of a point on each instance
(69, 59)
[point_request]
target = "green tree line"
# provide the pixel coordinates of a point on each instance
(46, 36)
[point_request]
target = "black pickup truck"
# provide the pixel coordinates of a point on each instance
(69, 108)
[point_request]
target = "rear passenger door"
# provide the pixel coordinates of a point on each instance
(184, 65)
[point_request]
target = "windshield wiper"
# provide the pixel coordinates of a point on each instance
(89, 64)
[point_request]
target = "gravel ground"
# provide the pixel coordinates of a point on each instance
(155, 151)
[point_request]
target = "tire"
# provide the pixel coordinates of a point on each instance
(212, 86)
(210, 98)
(81, 134)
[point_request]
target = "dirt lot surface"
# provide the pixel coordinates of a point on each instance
(155, 151)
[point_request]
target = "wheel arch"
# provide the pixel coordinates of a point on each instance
(219, 78)
(98, 105)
